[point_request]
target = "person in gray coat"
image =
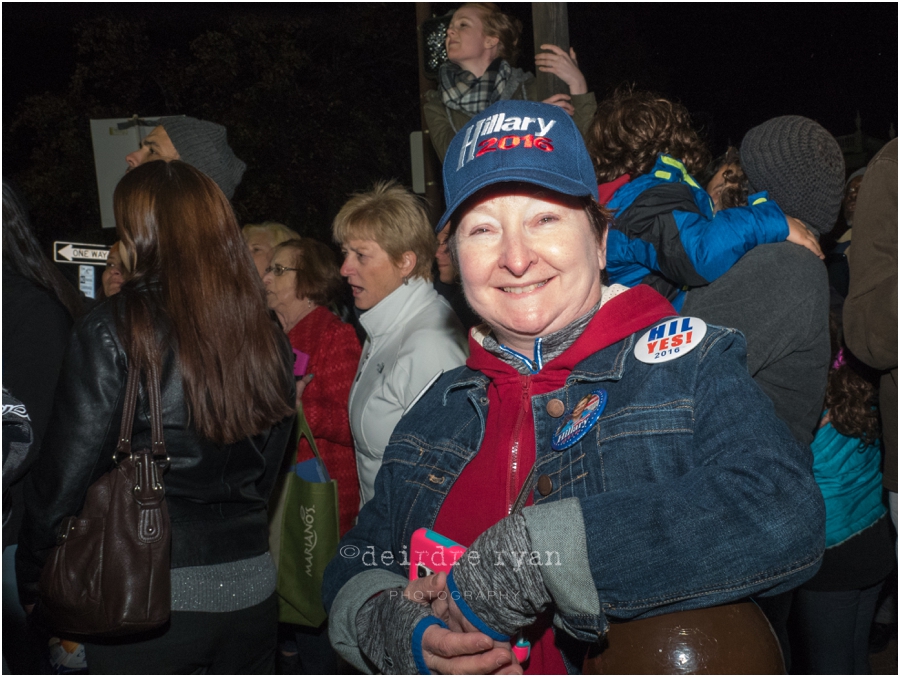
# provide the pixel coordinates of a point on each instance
(777, 294)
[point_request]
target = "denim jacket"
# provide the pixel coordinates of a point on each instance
(687, 493)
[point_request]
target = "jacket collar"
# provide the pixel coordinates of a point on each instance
(397, 307)
(666, 170)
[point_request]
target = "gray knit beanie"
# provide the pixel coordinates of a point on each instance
(204, 145)
(801, 166)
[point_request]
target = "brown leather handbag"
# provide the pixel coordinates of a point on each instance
(109, 573)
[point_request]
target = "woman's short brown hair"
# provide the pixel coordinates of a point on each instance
(318, 276)
(393, 217)
(506, 28)
(632, 127)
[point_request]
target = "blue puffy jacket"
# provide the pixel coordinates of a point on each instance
(664, 233)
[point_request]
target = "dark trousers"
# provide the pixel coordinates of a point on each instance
(832, 631)
(306, 651)
(199, 643)
(23, 647)
(777, 609)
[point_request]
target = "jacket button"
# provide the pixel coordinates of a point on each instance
(545, 485)
(556, 408)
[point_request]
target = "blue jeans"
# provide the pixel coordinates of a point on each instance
(832, 635)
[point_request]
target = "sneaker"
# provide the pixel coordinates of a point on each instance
(67, 657)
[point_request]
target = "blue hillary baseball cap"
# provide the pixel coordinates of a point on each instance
(522, 141)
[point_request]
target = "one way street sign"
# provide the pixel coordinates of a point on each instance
(77, 252)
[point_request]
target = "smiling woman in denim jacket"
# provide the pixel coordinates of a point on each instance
(673, 488)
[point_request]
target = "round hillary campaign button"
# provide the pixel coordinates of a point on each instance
(581, 419)
(670, 340)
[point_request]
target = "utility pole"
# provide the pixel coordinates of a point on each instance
(551, 26)
(432, 164)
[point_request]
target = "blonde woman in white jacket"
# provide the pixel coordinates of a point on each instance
(412, 333)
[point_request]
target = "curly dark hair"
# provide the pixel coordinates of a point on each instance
(737, 185)
(632, 127)
(729, 157)
(736, 191)
(851, 396)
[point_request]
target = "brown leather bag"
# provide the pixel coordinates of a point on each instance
(109, 573)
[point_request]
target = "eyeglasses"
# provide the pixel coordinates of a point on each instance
(278, 269)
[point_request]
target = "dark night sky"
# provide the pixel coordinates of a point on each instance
(733, 65)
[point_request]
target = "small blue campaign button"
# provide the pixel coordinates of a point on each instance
(581, 419)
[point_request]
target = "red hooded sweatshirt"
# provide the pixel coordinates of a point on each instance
(489, 485)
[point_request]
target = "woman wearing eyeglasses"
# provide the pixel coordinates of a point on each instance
(302, 281)
(412, 333)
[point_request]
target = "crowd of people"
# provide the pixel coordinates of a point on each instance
(618, 379)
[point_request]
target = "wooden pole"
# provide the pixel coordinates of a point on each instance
(551, 26)
(432, 164)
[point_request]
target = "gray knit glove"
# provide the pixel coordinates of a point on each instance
(389, 629)
(496, 585)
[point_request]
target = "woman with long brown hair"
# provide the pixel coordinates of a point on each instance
(193, 306)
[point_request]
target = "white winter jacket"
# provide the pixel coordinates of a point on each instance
(413, 334)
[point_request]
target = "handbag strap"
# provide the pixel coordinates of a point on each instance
(131, 393)
(303, 430)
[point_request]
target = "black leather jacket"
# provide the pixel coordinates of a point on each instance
(216, 494)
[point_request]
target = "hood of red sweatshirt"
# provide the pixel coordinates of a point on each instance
(618, 318)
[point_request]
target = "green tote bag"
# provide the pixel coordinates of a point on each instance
(303, 538)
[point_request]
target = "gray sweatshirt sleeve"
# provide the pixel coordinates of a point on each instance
(385, 627)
